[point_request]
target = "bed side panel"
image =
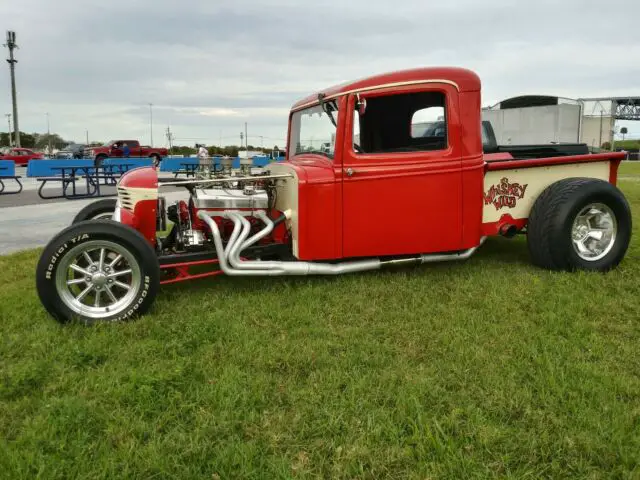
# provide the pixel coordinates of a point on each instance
(514, 191)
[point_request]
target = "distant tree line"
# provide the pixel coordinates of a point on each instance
(35, 140)
(41, 141)
(230, 150)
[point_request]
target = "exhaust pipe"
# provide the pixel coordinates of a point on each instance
(231, 264)
(507, 230)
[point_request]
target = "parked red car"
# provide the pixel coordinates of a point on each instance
(20, 156)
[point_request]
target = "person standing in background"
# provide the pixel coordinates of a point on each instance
(202, 152)
(126, 151)
(203, 159)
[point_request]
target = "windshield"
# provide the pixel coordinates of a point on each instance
(312, 131)
(109, 143)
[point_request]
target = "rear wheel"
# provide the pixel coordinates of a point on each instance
(156, 160)
(97, 271)
(99, 160)
(579, 223)
(100, 210)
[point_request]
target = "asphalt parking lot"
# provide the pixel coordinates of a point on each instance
(27, 221)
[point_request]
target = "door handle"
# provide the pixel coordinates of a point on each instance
(350, 172)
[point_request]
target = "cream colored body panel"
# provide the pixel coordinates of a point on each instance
(287, 199)
(130, 196)
(523, 186)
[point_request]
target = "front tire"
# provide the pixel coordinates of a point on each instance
(97, 271)
(579, 224)
(99, 210)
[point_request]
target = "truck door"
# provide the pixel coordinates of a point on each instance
(134, 147)
(401, 175)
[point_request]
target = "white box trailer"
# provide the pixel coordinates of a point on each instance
(536, 125)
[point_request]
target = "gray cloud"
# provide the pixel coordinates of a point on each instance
(209, 66)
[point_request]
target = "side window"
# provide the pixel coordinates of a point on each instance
(410, 122)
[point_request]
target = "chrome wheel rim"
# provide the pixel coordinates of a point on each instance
(98, 279)
(594, 231)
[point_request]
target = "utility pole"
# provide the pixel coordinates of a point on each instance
(601, 117)
(48, 133)
(87, 135)
(246, 139)
(151, 121)
(170, 139)
(241, 138)
(8, 115)
(11, 45)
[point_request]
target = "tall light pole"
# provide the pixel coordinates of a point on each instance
(11, 45)
(87, 135)
(8, 115)
(48, 133)
(151, 121)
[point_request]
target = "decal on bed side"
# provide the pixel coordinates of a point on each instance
(515, 190)
(504, 194)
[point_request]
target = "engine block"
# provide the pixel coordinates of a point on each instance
(231, 199)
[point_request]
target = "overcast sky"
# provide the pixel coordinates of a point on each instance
(209, 66)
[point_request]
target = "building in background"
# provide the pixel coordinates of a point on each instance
(532, 120)
(539, 119)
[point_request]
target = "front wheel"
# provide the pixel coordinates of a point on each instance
(97, 271)
(579, 224)
(99, 210)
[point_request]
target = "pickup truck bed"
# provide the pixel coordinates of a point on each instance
(493, 151)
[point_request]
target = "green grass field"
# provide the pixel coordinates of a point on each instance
(486, 369)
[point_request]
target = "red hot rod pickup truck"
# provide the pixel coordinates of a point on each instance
(362, 189)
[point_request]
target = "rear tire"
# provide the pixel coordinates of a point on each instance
(99, 160)
(579, 224)
(97, 271)
(156, 160)
(99, 210)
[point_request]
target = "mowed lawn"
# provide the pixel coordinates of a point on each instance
(485, 369)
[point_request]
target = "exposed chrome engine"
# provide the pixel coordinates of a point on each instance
(230, 199)
(189, 233)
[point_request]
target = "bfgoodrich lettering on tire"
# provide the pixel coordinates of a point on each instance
(579, 223)
(97, 271)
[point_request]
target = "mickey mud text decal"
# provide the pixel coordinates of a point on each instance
(504, 194)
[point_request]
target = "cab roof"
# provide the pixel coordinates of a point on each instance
(462, 79)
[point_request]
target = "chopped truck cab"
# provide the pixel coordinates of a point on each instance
(362, 188)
